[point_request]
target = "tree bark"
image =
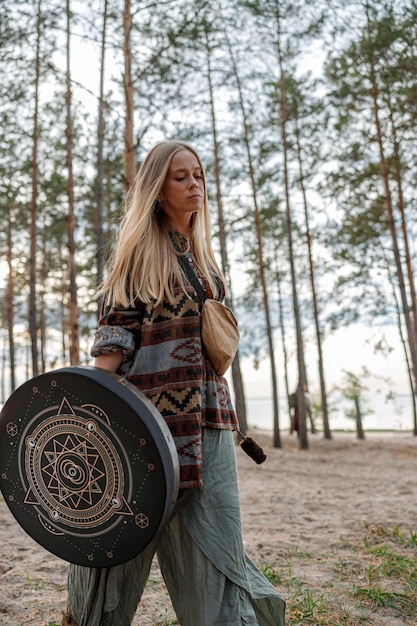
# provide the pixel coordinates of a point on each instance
(129, 155)
(408, 365)
(10, 304)
(238, 386)
(404, 228)
(404, 344)
(359, 428)
(72, 270)
(33, 314)
(323, 393)
(42, 316)
(99, 191)
(261, 268)
(302, 379)
(284, 345)
(391, 222)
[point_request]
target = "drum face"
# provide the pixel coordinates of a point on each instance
(88, 466)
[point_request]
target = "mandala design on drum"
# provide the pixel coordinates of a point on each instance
(74, 470)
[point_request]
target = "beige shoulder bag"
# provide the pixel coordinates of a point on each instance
(219, 331)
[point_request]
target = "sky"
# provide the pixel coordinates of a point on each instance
(348, 349)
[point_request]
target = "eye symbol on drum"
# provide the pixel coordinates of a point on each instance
(73, 471)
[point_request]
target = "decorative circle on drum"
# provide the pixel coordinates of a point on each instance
(88, 466)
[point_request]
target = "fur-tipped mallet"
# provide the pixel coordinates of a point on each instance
(252, 449)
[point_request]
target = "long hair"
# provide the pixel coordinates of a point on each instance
(144, 263)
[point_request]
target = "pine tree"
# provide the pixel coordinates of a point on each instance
(365, 78)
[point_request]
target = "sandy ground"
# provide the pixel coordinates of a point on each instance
(305, 515)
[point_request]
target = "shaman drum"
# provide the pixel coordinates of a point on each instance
(88, 466)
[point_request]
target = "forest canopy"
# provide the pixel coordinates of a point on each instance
(304, 114)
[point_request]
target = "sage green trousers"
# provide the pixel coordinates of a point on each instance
(210, 578)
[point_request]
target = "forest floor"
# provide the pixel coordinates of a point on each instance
(334, 527)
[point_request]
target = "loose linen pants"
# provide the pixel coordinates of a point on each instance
(209, 576)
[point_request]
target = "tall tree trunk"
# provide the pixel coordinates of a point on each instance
(72, 270)
(238, 387)
(10, 304)
(43, 275)
(324, 407)
(410, 274)
(3, 371)
(412, 341)
(358, 418)
(100, 158)
(407, 361)
(404, 344)
(281, 318)
(258, 230)
(64, 315)
(411, 335)
(302, 378)
(404, 228)
(129, 155)
(33, 316)
(42, 332)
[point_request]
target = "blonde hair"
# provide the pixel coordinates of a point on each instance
(144, 263)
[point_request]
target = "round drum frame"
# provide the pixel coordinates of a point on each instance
(88, 466)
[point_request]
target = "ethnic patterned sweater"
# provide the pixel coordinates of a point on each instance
(164, 358)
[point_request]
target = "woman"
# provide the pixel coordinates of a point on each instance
(149, 331)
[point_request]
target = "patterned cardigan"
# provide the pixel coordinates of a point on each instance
(164, 358)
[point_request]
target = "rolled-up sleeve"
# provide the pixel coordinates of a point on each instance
(118, 329)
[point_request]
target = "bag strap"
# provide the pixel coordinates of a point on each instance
(192, 276)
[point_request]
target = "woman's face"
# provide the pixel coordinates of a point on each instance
(183, 191)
